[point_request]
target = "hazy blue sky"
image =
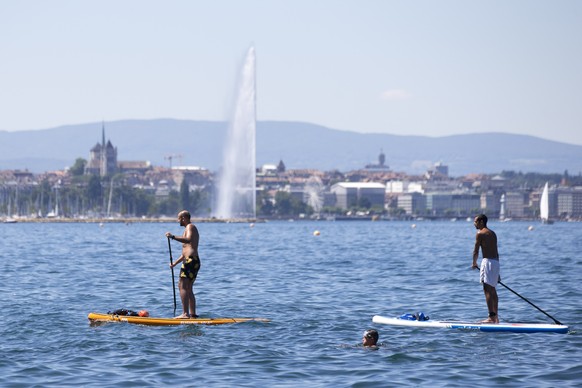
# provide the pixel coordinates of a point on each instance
(431, 68)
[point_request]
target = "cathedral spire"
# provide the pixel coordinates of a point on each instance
(103, 133)
(103, 167)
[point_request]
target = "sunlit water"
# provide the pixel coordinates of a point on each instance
(320, 292)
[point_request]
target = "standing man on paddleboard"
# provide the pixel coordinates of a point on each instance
(190, 264)
(486, 239)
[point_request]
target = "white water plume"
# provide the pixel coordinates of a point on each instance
(236, 186)
(314, 192)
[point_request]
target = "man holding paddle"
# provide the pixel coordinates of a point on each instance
(190, 264)
(486, 239)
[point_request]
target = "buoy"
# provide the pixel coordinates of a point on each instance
(530, 227)
(316, 233)
(413, 226)
(251, 225)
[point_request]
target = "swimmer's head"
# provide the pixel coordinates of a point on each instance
(143, 313)
(370, 337)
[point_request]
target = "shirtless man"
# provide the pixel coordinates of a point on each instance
(486, 239)
(190, 264)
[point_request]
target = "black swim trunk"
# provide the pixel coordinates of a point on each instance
(190, 267)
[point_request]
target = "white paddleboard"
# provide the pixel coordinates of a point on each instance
(488, 327)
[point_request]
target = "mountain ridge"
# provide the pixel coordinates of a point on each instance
(298, 144)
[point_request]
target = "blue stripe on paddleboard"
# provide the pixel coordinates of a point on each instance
(516, 328)
(485, 327)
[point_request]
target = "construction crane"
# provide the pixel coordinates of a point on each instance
(172, 157)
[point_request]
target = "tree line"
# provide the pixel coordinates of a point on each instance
(109, 196)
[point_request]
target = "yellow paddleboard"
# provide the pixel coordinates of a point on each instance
(152, 321)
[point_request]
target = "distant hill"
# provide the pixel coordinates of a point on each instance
(299, 145)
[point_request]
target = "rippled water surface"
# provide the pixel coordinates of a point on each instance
(320, 292)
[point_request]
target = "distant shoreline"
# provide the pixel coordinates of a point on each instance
(162, 220)
(136, 220)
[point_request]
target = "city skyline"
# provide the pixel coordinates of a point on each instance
(426, 68)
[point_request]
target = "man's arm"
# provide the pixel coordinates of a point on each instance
(188, 233)
(476, 250)
(186, 238)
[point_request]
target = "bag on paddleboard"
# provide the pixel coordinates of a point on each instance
(123, 312)
(415, 317)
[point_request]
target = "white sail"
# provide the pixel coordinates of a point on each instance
(544, 205)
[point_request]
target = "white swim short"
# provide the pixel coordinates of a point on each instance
(489, 272)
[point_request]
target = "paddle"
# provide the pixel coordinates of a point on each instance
(173, 283)
(554, 319)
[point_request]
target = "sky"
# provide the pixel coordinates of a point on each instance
(426, 68)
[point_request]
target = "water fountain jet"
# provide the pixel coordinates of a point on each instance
(314, 193)
(236, 197)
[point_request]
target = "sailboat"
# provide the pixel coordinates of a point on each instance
(545, 206)
(9, 219)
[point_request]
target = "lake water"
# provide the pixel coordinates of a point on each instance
(320, 292)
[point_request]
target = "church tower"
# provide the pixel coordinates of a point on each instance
(381, 158)
(103, 157)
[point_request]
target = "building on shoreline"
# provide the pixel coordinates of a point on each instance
(103, 158)
(355, 194)
(374, 188)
